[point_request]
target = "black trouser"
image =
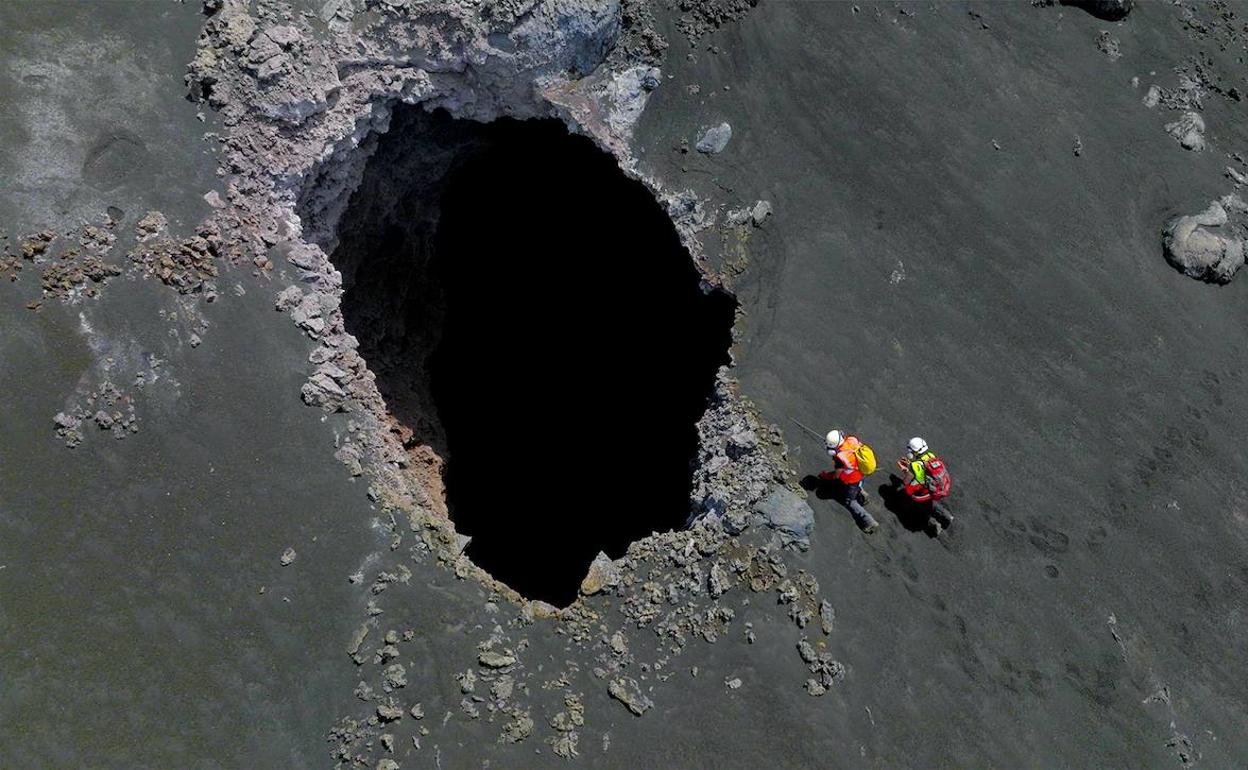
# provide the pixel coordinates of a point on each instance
(847, 495)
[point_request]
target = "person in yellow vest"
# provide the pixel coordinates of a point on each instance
(848, 477)
(927, 482)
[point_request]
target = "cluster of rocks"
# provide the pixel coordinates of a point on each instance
(700, 17)
(565, 724)
(79, 267)
(187, 265)
(676, 584)
(355, 740)
(1197, 79)
(823, 666)
(754, 215)
(107, 407)
(63, 279)
(1209, 245)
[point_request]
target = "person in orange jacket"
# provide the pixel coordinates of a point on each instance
(846, 476)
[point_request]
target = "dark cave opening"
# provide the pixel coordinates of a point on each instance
(549, 336)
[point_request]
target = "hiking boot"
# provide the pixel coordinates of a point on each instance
(934, 528)
(863, 497)
(869, 526)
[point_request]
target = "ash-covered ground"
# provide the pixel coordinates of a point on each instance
(240, 238)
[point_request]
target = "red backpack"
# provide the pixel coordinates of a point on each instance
(936, 477)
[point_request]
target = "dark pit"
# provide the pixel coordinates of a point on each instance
(532, 317)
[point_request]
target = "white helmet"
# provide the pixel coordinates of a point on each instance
(833, 440)
(917, 446)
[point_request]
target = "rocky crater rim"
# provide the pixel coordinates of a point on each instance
(302, 115)
(542, 340)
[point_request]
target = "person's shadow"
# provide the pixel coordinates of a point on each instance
(912, 517)
(892, 495)
(824, 490)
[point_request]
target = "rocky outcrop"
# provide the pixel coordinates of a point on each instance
(1208, 246)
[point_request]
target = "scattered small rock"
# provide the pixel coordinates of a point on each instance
(395, 676)
(389, 712)
(627, 692)
(492, 659)
(827, 616)
(288, 557)
(1108, 45)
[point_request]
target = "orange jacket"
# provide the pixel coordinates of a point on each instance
(846, 470)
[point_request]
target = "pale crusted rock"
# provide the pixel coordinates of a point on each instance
(627, 692)
(1189, 130)
(1206, 246)
(760, 213)
(492, 659)
(603, 573)
(790, 515)
(714, 139)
